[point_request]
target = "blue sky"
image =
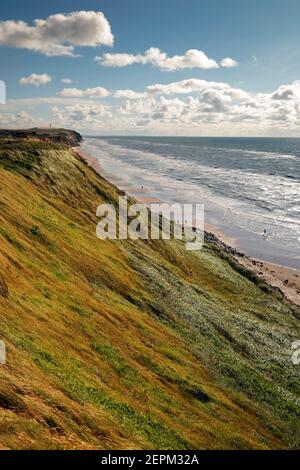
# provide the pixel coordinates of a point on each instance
(261, 36)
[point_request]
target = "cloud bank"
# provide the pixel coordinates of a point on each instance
(87, 113)
(186, 107)
(58, 34)
(190, 107)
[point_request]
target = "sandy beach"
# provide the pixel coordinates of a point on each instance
(281, 277)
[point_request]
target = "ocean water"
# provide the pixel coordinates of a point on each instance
(247, 185)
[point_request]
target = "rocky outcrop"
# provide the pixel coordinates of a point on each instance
(213, 240)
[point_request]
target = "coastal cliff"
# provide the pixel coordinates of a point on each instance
(128, 344)
(65, 137)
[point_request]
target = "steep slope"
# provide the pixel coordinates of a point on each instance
(128, 344)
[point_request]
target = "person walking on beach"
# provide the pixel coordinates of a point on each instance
(265, 234)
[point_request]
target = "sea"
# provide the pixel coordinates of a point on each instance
(250, 187)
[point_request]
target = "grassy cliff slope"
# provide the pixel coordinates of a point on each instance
(128, 344)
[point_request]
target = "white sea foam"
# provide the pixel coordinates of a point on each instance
(243, 197)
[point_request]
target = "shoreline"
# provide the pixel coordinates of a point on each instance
(284, 278)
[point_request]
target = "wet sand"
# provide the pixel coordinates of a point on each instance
(92, 161)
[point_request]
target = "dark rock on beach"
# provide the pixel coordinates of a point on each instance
(212, 239)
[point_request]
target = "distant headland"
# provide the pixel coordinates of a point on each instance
(65, 137)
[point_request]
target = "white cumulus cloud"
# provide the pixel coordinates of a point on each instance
(193, 58)
(128, 94)
(58, 34)
(19, 120)
(229, 63)
(195, 85)
(287, 92)
(36, 79)
(81, 113)
(97, 92)
(118, 60)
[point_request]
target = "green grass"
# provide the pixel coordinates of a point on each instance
(19, 157)
(116, 361)
(10, 238)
